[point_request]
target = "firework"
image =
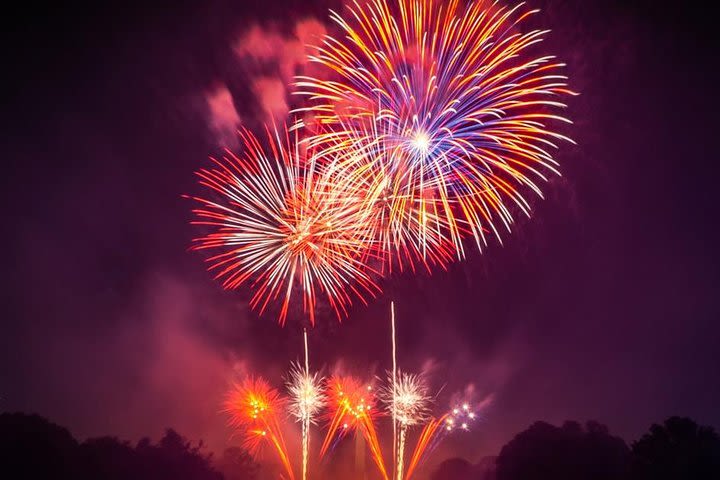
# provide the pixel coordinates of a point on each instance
(352, 410)
(457, 108)
(408, 402)
(283, 227)
(254, 407)
(406, 225)
(306, 400)
(306, 394)
(459, 418)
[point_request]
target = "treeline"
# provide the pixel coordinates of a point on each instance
(32, 448)
(679, 449)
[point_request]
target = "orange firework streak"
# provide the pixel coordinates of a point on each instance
(353, 409)
(428, 434)
(253, 407)
(458, 418)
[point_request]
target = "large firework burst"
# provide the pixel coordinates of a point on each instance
(283, 227)
(461, 107)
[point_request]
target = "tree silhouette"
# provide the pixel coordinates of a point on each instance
(108, 458)
(237, 464)
(455, 468)
(570, 452)
(33, 448)
(679, 449)
(461, 469)
(174, 457)
(37, 448)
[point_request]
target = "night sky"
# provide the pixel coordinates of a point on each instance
(604, 305)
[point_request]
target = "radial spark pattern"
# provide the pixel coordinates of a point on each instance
(255, 409)
(462, 107)
(284, 228)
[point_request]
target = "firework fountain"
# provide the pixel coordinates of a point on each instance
(307, 399)
(407, 400)
(256, 410)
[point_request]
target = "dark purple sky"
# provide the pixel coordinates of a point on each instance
(603, 306)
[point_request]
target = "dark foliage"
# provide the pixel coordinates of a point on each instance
(570, 452)
(237, 464)
(679, 449)
(32, 448)
(455, 468)
(39, 449)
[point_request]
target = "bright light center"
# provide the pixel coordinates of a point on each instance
(421, 142)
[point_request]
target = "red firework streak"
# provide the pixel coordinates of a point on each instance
(353, 410)
(254, 409)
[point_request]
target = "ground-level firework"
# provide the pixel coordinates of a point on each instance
(408, 401)
(353, 410)
(257, 410)
(350, 407)
(458, 418)
(307, 398)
